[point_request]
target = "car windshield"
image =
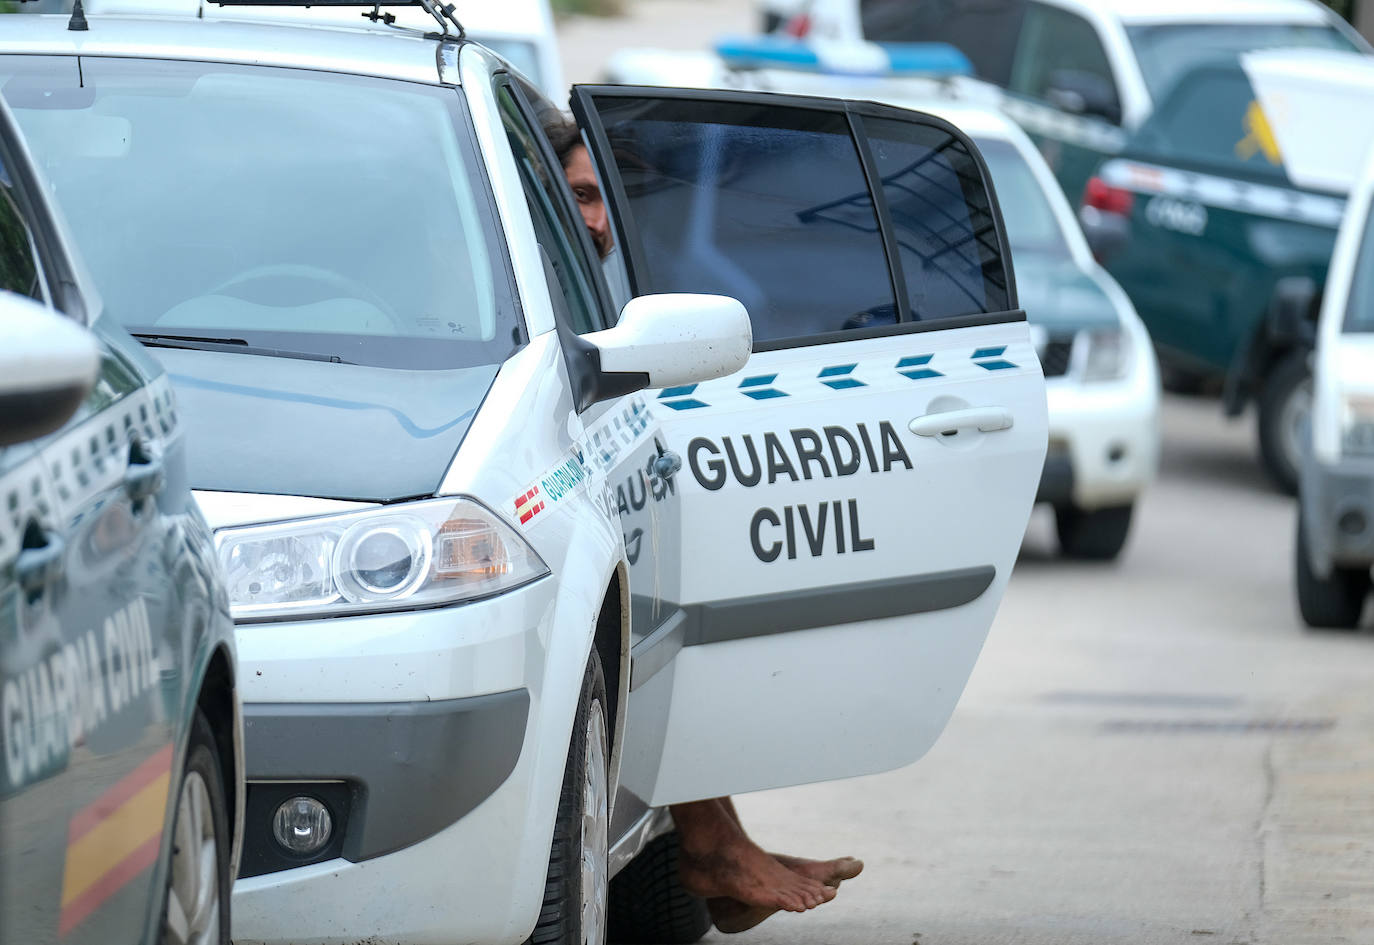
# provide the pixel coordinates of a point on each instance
(1031, 224)
(1167, 51)
(1359, 311)
(282, 211)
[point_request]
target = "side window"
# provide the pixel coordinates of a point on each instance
(19, 270)
(819, 219)
(1214, 118)
(1059, 49)
(555, 225)
(985, 30)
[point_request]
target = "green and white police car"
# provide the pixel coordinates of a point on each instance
(120, 742)
(1335, 539)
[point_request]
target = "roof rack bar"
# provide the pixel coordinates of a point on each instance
(442, 12)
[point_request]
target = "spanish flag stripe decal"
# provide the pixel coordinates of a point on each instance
(115, 838)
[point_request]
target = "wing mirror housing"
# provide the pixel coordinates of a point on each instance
(47, 366)
(1083, 93)
(670, 340)
(1293, 312)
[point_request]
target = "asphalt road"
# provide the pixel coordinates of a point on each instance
(1150, 751)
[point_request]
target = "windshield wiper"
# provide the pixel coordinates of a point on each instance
(237, 345)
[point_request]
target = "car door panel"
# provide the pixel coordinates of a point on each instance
(853, 500)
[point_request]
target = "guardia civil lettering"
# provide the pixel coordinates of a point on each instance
(797, 455)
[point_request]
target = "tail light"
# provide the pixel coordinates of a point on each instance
(1102, 196)
(799, 27)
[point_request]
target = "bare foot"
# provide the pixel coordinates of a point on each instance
(745, 873)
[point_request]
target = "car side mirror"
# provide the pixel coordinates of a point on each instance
(47, 366)
(1083, 93)
(1293, 312)
(672, 339)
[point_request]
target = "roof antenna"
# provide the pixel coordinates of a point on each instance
(78, 22)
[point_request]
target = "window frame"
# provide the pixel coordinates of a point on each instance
(853, 111)
(56, 272)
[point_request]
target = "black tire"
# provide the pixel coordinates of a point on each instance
(202, 760)
(1098, 535)
(648, 903)
(560, 917)
(1334, 603)
(1291, 378)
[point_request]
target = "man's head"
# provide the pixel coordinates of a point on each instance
(577, 167)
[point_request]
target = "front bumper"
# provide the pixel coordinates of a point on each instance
(418, 731)
(1104, 442)
(1338, 512)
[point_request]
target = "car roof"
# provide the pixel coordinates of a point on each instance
(362, 49)
(1142, 12)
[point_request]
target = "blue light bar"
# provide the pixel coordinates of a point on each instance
(859, 58)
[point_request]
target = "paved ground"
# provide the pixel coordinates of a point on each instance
(1148, 752)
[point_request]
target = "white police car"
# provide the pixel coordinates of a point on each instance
(493, 537)
(1335, 538)
(121, 765)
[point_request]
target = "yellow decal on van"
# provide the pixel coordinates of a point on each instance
(1259, 136)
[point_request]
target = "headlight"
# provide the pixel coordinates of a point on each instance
(419, 554)
(1107, 356)
(1357, 425)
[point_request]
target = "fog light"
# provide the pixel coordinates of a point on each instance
(302, 826)
(1352, 522)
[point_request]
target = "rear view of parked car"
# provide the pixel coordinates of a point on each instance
(1219, 216)
(120, 776)
(1335, 541)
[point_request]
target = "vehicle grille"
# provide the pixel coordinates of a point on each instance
(1054, 356)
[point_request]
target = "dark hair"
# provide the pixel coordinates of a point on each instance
(562, 133)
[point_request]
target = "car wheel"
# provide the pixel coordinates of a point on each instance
(1334, 602)
(575, 889)
(197, 907)
(1284, 406)
(1097, 535)
(648, 903)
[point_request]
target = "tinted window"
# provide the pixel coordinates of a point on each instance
(1213, 118)
(303, 211)
(1031, 224)
(18, 265)
(767, 205)
(1359, 312)
(1053, 42)
(984, 30)
(946, 233)
(1167, 51)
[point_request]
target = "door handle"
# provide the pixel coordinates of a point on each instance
(950, 422)
(40, 560)
(143, 476)
(667, 465)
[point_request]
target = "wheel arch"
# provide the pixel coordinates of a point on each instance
(611, 641)
(1270, 341)
(218, 699)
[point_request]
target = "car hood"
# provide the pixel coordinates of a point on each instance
(280, 426)
(1058, 295)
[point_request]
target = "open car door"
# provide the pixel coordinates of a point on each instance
(854, 499)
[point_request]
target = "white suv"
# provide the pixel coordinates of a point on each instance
(494, 536)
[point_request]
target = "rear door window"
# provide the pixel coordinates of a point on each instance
(819, 218)
(983, 31)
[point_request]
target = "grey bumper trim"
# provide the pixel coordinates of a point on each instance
(743, 617)
(418, 766)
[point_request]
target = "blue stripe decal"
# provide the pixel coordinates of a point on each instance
(995, 365)
(677, 391)
(688, 404)
(914, 361)
(989, 352)
(839, 379)
(757, 381)
(920, 374)
(766, 394)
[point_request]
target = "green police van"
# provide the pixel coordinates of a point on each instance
(1218, 218)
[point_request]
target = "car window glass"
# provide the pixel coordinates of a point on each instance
(1359, 312)
(769, 206)
(555, 225)
(984, 31)
(332, 215)
(1213, 119)
(1031, 224)
(943, 220)
(18, 262)
(1056, 41)
(1167, 51)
